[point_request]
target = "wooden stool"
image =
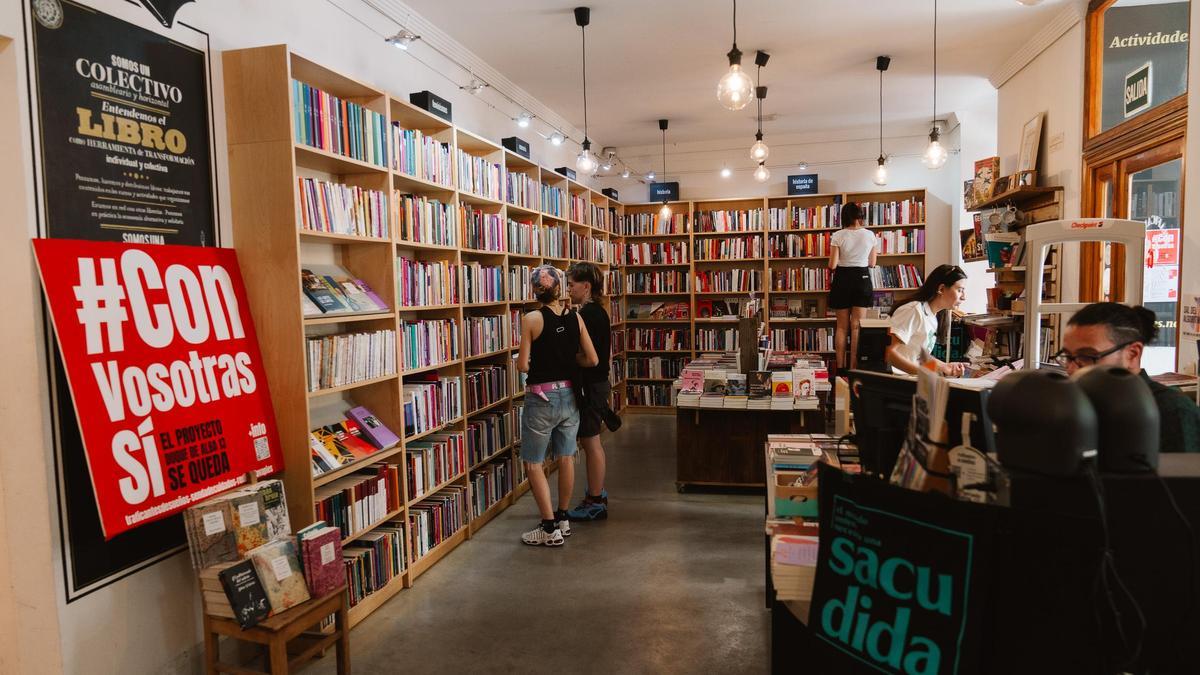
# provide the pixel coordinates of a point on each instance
(275, 633)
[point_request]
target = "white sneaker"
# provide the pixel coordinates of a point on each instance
(539, 537)
(564, 526)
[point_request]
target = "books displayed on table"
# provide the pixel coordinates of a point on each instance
(224, 528)
(795, 382)
(233, 591)
(332, 290)
(279, 572)
(320, 551)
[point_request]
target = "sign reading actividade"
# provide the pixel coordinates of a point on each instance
(123, 134)
(892, 589)
(165, 372)
(1145, 57)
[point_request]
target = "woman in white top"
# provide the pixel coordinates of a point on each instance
(853, 249)
(914, 324)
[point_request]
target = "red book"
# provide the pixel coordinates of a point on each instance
(321, 554)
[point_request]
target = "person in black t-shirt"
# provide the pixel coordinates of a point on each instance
(586, 288)
(554, 347)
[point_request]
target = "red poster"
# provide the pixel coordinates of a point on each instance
(1162, 247)
(165, 373)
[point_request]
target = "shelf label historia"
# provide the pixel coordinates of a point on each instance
(165, 372)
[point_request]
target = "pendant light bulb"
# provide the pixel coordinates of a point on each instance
(735, 90)
(725, 172)
(759, 151)
(585, 163)
(762, 173)
(935, 154)
(665, 211)
(881, 174)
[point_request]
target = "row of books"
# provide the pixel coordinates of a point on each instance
(814, 244)
(552, 199)
(525, 237)
(485, 334)
(802, 339)
(659, 394)
(486, 384)
(809, 217)
(426, 283)
(359, 500)
(521, 190)
(896, 276)
(355, 438)
(416, 154)
(489, 484)
(431, 400)
(902, 212)
(801, 279)
(324, 121)
(482, 283)
(423, 220)
(478, 176)
(487, 435)
(736, 280)
(343, 209)
(902, 241)
(580, 246)
(432, 461)
(657, 339)
(330, 289)
(374, 560)
(603, 217)
(519, 288)
(728, 248)
(577, 208)
(481, 231)
(429, 342)
(729, 220)
(552, 241)
(722, 308)
(654, 223)
(714, 381)
(796, 308)
(717, 339)
(657, 367)
(614, 284)
(659, 281)
(655, 253)
(617, 337)
(342, 359)
(436, 519)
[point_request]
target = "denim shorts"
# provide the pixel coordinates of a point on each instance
(549, 427)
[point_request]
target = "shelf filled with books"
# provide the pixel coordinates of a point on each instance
(391, 253)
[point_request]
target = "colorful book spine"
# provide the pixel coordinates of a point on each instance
(339, 360)
(552, 200)
(654, 223)
(729, 248)
(338, 126)
(426, 283)
(436, 519)
(729, 221)
(343, 209)
(422, 220)
(486, 384)
(489, 484)
(479, 176)
(432, 461)
(429, 342)
(482, 283)
(672, 281)
(421, 156)
(728, 281)
(481, 231)
(484, 334)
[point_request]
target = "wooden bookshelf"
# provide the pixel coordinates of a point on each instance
(766, 219)
(266, 162)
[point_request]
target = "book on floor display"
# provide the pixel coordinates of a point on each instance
(759, 384)
(248, 509)
(245, 593)
(278, 569)
(691, 381)
(372, 429)
(321, 556)
(274, 507)
(716, 382)
(736, 384)
(210, 533)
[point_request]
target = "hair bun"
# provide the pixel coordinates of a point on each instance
(1148, 321)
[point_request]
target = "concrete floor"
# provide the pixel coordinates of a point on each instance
(670, 583)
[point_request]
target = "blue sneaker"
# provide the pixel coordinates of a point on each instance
(591, 509)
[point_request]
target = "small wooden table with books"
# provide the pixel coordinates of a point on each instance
(275, 633)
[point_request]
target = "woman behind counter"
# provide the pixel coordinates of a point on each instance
(913, 325)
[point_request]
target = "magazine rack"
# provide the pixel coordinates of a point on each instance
(1038, 240)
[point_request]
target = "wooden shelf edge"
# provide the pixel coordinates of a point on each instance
(348, 387)
(391, 516)
(477, 522)
(346, 469)
(421, 565)
(429, 493)
(372, 602)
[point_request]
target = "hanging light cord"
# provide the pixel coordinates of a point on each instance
(757, 85)
(664, 176)
(583, 31)
(881, 113)
(735, 23)
(934, 64)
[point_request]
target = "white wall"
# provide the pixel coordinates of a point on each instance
(1053, 84)
(149, 622)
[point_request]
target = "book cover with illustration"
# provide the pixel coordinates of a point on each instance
(278, 569)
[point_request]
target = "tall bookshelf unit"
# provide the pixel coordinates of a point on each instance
(522, 215)
(765, 246)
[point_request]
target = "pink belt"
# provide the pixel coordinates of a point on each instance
(542, 387)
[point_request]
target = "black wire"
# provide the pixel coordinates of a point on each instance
(664, 176)
(881, 112)
(735, 23)
(1192, 547)
(757, 85)
(1108, 570)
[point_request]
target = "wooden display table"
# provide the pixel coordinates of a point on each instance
(720, 447)
(297, 623)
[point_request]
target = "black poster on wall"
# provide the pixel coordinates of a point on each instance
(124, 151)
(123, 133)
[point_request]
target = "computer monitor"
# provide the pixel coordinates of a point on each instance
(873, 342)
(882, 404)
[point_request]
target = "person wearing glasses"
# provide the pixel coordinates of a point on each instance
(913, 325)
(1112, 334)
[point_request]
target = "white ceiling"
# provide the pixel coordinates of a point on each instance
(662, 58)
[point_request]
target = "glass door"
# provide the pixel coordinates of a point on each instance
(1154, 198)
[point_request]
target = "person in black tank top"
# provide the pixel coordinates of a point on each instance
(585, 286)
(554, 346)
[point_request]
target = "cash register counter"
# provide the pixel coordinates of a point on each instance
(1041, 608)
(722, 447)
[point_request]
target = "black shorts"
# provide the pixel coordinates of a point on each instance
(595, 401)
(851, 287)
